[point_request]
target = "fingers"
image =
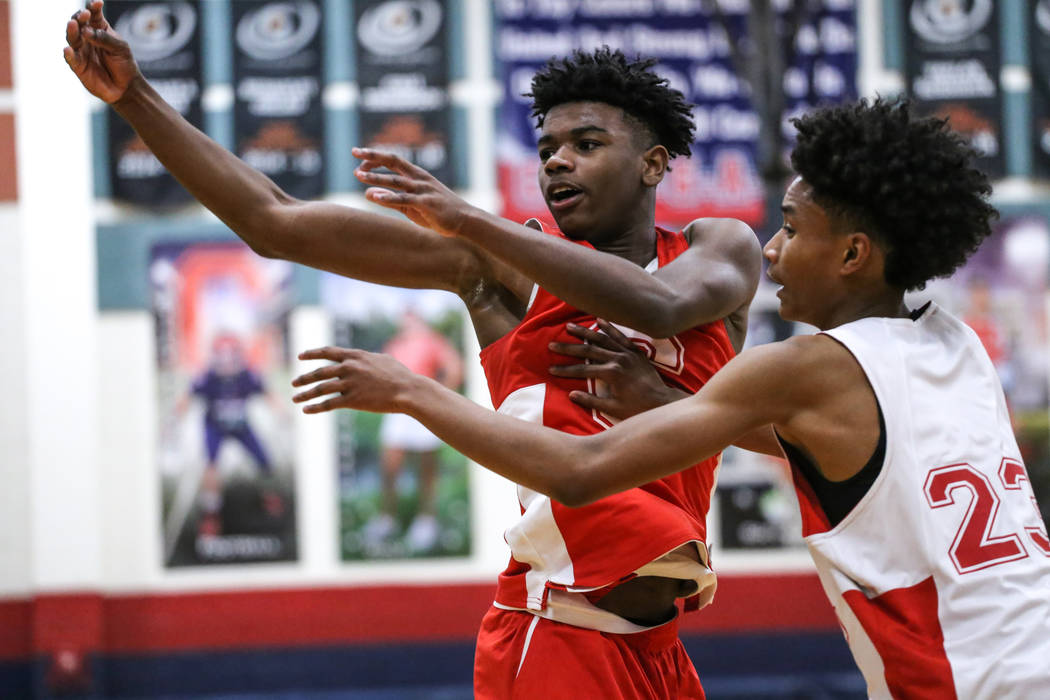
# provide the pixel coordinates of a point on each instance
(590, 401)
(589, 335)
(73, 60)
(104, 39)
(615, 334)
(320, 374)
(376, 159)
(337, 355)
(97, 20)
(334, 386)
(73, 37)
(387, 198)
(390, 180)
(578, 371)
(614, 340)
(323, 406)
(586, 351)
(328, 352)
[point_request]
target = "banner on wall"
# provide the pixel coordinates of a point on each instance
(952, 69)
(693, 50)
(1039, 21)
(402, 492)
(166, 40)
(223, 376)
(277, 80)
(402, 55)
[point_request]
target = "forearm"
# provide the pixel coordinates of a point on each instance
(529, 454)
(572, 469)
(351, 242)
(599, 283)
(219, 180)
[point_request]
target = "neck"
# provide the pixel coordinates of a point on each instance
(889, 304)
(636, 240)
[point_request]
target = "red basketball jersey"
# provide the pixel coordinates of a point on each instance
(604, 543)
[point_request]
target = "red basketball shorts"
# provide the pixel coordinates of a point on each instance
(520, 655)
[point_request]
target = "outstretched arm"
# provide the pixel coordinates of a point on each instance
(717, 276)
(347, 241)
(572, 469)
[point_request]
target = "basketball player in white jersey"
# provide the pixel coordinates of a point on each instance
(916, 504)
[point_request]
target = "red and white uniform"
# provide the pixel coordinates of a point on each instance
(558, 552)
(940, 575)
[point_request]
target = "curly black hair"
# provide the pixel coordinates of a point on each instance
(608, 76)
(911, 182)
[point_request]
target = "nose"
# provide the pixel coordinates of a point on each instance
(558, 161)
(771, 251)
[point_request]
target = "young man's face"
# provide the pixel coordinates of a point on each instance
(805, 256)
(591, 164)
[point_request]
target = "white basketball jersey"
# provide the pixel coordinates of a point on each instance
(940, 575)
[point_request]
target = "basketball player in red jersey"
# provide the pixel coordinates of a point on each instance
(916, 504)
(591, 601)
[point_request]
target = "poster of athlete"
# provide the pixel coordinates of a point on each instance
(223, 372)
(402, 492)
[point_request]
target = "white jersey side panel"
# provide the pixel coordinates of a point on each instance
(941, 574)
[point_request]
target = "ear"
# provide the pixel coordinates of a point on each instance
(859, 253)
(654, 165)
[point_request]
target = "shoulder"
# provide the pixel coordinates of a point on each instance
(721, 232)
(729, 239)
(803, 360)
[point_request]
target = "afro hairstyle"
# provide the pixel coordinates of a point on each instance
(910, 182)
(607, 76)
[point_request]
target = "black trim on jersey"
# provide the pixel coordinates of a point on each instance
(837, 498)
(916, 314)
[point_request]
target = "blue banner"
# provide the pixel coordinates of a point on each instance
(692, 45)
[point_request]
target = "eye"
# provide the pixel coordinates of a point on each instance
(788, 230)
(588, 145)
(546, 153)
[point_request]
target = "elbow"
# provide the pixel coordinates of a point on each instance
(270, 231)
(575, 489)
(661, 321)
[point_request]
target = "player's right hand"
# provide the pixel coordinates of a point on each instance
(97, 55)
(629, 384)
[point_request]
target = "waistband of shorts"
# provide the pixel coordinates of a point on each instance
(654, 638)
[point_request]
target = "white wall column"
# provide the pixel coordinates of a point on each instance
(56, 322)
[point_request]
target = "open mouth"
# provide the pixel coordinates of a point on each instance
(561, 195)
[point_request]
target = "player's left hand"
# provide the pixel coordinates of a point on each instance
(632, 384)
(410, 190)
(361, 380)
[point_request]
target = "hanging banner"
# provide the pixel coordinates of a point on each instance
(278, 118)
(692, 44)
(402, 55)
(224, 401)
(1039, 21)
(952, 70)
(166, 40)
(402, 492)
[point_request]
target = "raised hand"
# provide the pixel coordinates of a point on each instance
(633, 384)
(97, 55)
(362, 380)
(411, 190)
